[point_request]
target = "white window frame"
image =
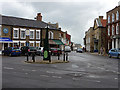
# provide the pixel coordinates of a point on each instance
(32, 42)
(113, 29)
(22, 42)
(15, 42)
(113, 17)
(108, 18)
(52, 35)
(117, 28)
(108, 30)
(33, 33)
(17, 32)
(38, 42)
(22, 29)
(0, 29)
(36, 34)
(117, 15)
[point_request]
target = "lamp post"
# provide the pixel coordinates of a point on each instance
(46, 53)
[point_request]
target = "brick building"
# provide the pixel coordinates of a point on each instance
(113, 28)
(95, 37)
(24, 32)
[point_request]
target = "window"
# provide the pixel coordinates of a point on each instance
(108, 30)
(108, 18)
(15, 32)
(113, 17)
(117, 29)
(0, 29)
(31, 34)
(50, 35)
(37, 34)
(23, 36)
(117, 15)
(113, 30)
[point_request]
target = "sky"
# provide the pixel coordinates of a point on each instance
(73, 16)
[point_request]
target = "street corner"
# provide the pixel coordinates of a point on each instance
(45, 62)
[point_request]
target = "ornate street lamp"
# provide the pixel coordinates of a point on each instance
(46, 53)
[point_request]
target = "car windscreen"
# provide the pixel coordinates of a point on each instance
(31, 47)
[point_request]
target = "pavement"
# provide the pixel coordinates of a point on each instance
(83, 71)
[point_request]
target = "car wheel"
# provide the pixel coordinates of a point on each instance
(118, 56)
(109, 56)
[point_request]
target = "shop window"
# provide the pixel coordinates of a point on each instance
(31, 44)
(37, 45)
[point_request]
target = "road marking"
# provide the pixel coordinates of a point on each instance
(49, 72)
(8, 68)
(56, 77)
(44, 76)
(115, 78)
(26, 73)
(33, 70)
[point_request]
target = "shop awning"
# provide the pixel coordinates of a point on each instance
(5, 40)
(56, 42)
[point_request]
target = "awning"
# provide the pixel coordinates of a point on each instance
(5, 40)
(56, 42)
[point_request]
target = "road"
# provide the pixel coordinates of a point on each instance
(83, 71)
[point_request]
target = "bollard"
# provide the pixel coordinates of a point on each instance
(64, 57)
(58, 56)
(33, 57)
(27, 57)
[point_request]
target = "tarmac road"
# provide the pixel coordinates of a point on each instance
(83, 71)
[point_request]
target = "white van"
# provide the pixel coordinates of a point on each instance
(67, 49)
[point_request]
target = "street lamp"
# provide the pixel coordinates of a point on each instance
(46, 53)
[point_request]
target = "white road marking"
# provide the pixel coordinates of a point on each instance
(8, 68)
(33, 70)
(56, 77)
(49, 72)
(44, 75)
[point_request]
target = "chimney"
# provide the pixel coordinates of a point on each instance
(100, 17)
(39, 17)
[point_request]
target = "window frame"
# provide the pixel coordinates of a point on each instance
(21, 29)
(113, 30)
(117, 29)
(31, 30)
(36, 34)
(108, 30)
(17, 33)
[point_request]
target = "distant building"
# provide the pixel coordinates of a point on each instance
(96, 37)
(113, 28)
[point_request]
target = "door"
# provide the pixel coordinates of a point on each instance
(5, 45)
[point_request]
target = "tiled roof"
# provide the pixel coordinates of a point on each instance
(15, 21)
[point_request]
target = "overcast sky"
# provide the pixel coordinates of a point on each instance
(73, 16)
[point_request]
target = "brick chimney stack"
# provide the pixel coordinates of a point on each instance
(39, 17)
(101, 17)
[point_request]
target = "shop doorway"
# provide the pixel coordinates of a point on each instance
(5, 45)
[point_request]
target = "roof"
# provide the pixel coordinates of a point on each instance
(15, 21)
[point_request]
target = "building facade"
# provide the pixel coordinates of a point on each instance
(113, 28)
(95, 37)
(20, 32)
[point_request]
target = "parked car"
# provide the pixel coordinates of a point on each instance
(114, 53)
(28, 49)
(12, 51)
(39, 50)
(79, 50)
(55, 51)
(67, 49)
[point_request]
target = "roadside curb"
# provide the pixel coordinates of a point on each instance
(46, 62)
(96, 54)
